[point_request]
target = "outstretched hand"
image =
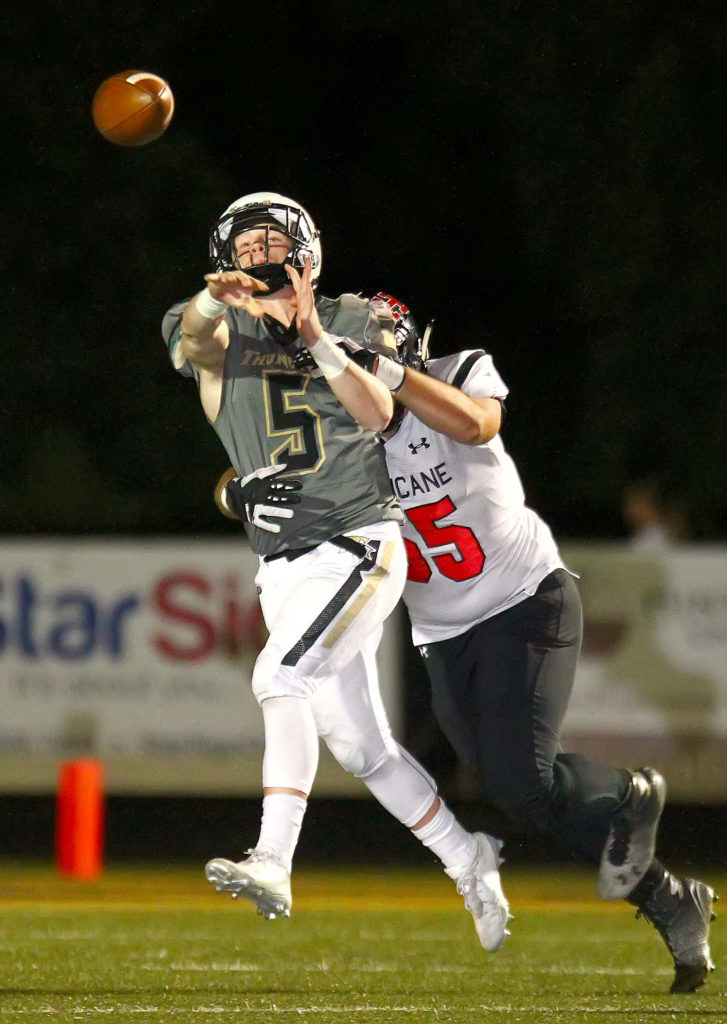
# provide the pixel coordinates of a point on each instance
(236, 288)
(306, 318)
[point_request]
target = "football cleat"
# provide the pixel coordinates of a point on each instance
(483, 896)
(681, 911)
(260, 878)
(631, 839)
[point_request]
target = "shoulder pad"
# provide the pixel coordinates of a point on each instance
(171, 319)
(349, 301)
(465, 366)
(383, 313)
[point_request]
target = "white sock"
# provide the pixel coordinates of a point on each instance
(445, 837)
(281, 823)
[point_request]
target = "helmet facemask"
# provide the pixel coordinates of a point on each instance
(411, 347)
(266, 211)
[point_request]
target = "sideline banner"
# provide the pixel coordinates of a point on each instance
(138, 652)
(651, 686)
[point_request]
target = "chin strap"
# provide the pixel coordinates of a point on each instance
(279, 332)
(272, 274)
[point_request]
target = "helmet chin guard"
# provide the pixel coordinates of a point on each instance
(267, 210)
(273, 275)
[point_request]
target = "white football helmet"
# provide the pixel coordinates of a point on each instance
(266, 209)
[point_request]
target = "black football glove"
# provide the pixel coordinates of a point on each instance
(304, 361)
(257, 499)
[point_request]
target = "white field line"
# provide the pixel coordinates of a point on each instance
(192, 967)
(226, 1011)
(231, 1012)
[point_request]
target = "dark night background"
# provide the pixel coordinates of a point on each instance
(545, 180)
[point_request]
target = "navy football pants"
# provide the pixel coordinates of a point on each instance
(500, 693)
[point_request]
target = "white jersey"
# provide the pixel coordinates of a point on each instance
(474, 547)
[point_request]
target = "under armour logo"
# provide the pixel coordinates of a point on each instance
(424, 650)
(414, 448)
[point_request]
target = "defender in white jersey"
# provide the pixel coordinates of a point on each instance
(328, 580)
(473, 545)
(497, 619)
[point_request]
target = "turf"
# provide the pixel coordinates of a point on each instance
(364, 947)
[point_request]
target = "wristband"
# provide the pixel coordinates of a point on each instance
(331, 360)
(390, 373)
(209, 307)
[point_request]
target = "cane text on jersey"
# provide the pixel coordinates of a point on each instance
(421, 483)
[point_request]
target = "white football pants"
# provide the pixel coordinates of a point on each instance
(324, 612)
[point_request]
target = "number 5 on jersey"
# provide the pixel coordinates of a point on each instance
(469, 558)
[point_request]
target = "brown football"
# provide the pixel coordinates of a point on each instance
(132, 108)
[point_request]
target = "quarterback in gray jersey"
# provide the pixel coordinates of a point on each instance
(273, 413)
(300, 421)
(498, 621)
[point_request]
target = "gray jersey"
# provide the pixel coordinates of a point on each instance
(271, 412)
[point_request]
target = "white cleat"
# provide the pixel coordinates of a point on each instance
(261, 878)
(483, 896)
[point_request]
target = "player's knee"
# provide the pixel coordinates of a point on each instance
(360, 756)
(530, 809)
(262, 679)
(270, 679)
(527, 801)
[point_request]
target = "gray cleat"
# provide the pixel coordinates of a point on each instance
(681, 911)
(631, 842)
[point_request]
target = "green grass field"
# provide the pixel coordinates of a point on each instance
(366, 947)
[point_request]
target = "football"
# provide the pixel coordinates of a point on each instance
(132, 108)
